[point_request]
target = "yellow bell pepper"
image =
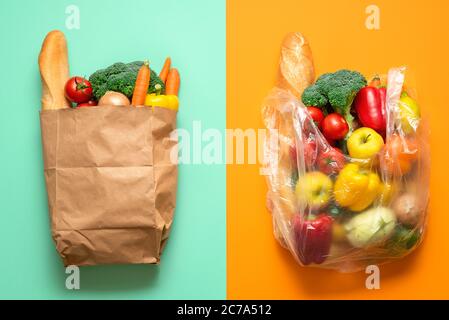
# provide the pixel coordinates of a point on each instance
(350, 185)
(162, 101)
(370, 194)
(356, 188)
(388, 191)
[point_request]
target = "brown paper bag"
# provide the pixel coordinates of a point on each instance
(110, 181)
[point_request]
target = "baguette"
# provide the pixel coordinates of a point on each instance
(296, 70)
(54, 70)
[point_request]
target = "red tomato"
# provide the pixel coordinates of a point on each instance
(334, 127)
(78, 90)
(331, 161)
(90, 103)
(317, 115)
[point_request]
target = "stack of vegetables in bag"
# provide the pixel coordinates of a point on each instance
(125, 84)
(354, 167)
(359, 171)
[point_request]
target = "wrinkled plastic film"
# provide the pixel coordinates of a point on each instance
(381, 225)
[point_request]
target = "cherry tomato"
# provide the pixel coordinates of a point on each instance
(331, 161)
(317, 115)
(334, 127)
(78, 90)
(90, 103)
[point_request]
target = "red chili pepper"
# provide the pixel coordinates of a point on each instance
(313, 238)
(370, 107)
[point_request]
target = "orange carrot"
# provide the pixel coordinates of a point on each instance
(173, 81)
(142, 84)
(165, 69)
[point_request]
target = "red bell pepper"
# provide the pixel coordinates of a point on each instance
(313, 238)
(370, 106)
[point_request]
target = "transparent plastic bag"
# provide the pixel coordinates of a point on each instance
(334, 211)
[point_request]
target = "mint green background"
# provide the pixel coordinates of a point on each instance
(193, 34)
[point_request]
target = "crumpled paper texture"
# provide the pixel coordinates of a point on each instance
(110, 181)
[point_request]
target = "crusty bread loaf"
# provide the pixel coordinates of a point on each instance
(296, 70)
(54, 69)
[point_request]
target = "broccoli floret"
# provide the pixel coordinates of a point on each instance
(341, 87)
(338, 88)
(120, 77)
(313, 97)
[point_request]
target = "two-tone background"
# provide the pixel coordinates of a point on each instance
(222, 244)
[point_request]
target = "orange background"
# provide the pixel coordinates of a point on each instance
(412, 33)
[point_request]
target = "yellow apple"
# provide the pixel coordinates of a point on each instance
(314, 189)
(364, 143)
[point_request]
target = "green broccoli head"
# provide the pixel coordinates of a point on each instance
(121, 77)
(341, 87)
(338, 89)
(313, 97)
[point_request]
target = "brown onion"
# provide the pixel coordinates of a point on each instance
(408, 209)
(114, 98)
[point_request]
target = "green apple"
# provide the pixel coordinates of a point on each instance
(364, 143)
(313, 189)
